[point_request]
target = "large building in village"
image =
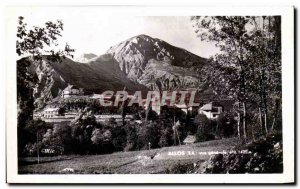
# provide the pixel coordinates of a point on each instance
(211, 109)
(70, 91)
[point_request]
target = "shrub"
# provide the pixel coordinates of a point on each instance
(131, 138)
(119, 138)
(266, 157)
(60, 137)
(166, 138)
(148, 134)
(205, 128)
(97, 137)
(225, 125)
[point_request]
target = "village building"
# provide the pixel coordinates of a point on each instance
(211, 110)
(50, 112)
(156, 107)
(117, 117)
(100, 97)
(71, 90)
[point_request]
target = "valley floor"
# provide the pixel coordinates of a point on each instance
(154, 161)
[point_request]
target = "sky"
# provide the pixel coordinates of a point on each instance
(92, 30)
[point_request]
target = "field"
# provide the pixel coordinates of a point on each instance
(154, 161)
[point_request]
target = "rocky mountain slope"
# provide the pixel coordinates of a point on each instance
(103, 73)
(157, 64)
(139, 63)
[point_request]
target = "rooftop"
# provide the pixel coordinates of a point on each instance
(207, 107)
(51, 109)
(70, 87)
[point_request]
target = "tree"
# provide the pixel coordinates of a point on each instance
(132, 137)
(248, 66)
(62, 138)
(32, 42)
(107, 142)
(166, 138)
(225, 125)
(81, 136)
(266, 68)
(97, 137)
(119, 138)
(231, 36)
(149, 133)
(31, 45)
(204, 128)
(32, 135)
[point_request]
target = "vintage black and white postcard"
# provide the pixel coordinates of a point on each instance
(112, 94)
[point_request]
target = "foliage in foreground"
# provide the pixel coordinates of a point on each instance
(266, 157)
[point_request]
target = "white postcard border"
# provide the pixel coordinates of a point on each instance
(288, 105)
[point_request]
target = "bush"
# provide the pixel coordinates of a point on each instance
(119, 138)
(30, 134)
(131, 138)
(148, 134)
(59, 138)
(81, 137)
(86, 136)
(166, 138)
(97, 137)
(266, 156)
(225, 125)
(205, 128)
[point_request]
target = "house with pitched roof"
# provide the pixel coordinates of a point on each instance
(70, 90)
(211, 110)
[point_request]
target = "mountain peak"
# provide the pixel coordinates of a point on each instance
(143, 36)
(140, 53)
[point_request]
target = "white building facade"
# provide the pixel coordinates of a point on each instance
(211, 110)
(69, 91)
(50, 112)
